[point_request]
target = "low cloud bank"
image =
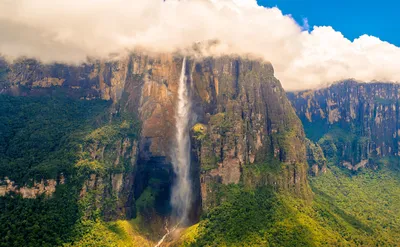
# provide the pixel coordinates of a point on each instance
(71, 30)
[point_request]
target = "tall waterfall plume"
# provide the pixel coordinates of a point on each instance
(182, 188)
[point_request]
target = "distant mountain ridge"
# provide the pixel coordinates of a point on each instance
(352, 121)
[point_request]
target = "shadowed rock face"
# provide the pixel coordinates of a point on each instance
(241, 117)
(364, 116)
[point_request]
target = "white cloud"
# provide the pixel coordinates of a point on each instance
(71, 30)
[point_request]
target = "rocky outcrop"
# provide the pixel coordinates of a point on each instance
(354, 122)
(315, 158)
(46, 187)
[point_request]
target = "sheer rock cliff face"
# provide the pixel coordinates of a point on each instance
(247, 132)
(353, 122)
(244, 128)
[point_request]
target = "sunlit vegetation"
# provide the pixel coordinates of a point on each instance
(348, 210)
(366, 205)
(252, 218)
(121, 233)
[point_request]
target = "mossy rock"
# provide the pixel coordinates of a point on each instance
(199, 131)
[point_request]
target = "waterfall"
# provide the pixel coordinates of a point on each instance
(182, 189)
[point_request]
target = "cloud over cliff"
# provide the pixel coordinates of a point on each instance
(71, 30)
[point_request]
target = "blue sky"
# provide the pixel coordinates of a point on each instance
(351, 17)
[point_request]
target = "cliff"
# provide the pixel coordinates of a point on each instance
(354, 123)
(244, 130)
